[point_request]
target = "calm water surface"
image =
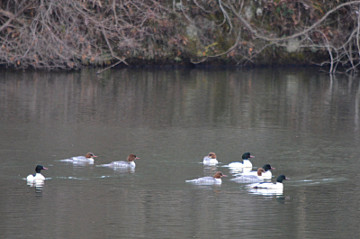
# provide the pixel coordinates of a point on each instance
(302, 122)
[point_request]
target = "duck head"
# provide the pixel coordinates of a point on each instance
(39, 168)
(260, 171)
(267, 167)
(247, 155)
(212, 155)
(132, 157)
(90, 155)
(281, 178)
(219, 175)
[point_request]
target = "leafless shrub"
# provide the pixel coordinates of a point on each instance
(70, 34)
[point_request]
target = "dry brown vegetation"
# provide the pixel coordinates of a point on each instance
(71, 34)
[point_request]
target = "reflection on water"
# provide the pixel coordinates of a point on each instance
(121, 170)
(303, 123)
(77, 163)
(209, 170)
(266, 192)
(37, 185)
(166, 99)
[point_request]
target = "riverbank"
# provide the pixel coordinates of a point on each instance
(71, 35)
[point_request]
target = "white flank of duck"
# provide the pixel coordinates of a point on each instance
(278, 185)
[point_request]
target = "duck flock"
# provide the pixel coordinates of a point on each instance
(258, 179)
(243, 172)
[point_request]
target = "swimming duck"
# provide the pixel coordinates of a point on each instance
(245, 165)
(262, 173)
(269, 185)
(216, 179)
(251, 178)
(37, 177)
(210, 159)
(87, 159)
(130, 163)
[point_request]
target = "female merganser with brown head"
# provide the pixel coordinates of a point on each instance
(216, 179)
(130, 163)
(87, 159)
(262, 173)
(250, 178)
(210, 159)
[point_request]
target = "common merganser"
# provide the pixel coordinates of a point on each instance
(87, 159)
(37, 177)
(269, 185)
(210, 159)
(216, 179)
(130, 163)
(262, 173)
(251, 178)
(245, 165)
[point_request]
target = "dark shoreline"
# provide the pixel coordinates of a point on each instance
(173, 67)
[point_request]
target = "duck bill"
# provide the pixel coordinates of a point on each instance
(45, 168)
(137, 158)
(252, 156)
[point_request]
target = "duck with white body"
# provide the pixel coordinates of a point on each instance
(261, 173)
(244, 166)
(278, 185)
(214, 180)
(210, 159)
(87, 159)
(128, 164)
(36, 178)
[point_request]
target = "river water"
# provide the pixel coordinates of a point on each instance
(301, 121)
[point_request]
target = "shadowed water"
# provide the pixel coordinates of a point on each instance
(302, 122)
